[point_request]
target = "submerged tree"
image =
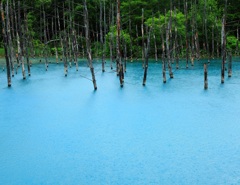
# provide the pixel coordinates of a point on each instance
(119, 54)
(89, 53)
(5, 36)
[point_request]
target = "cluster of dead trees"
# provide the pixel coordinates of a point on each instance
(16, 39)
(64, 29)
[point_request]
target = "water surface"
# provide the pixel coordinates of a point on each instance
(57, 130)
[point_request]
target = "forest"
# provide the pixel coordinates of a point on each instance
(121, 31)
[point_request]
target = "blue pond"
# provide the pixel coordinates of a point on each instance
(57, 130)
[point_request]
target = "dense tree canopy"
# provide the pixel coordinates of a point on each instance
(198, 13)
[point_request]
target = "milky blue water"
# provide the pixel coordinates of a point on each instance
(57, 130)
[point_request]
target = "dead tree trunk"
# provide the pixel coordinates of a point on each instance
(20, 41)
(125, 55)
(75, 49)
(176, 41)
(155, 43)
(130, 33)
(119, 54)
(230, 65)
(137, 36)
(142, 27)
(163, 57)
(69, 34)
(205, 77)
(206, 32)
(55, 28)
(45, 40)
(5, 37)
(213, 49)
(65, 53)
(26, 38)
(17, 37)
(65, 44)
(167, 44)
(10, 43)
(223, 43)
(192, 38)
(105, 32)
(176, 48)
(237, 47)
(111, 37)
(146, 58)
(101, 36)
(196, 39)
(186, 28)
(89, 54)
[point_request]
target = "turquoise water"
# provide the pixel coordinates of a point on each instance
(57, 130)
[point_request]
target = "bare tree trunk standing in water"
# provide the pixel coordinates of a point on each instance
(176, 40)
(186, 27)
(167, 44)
(55, 28)
(20, 41)
(205, 77)
(217, 36)
(17, 36)
(59, 29)
(101, 36)
(237, 47)
(89, 54)
(142, 27)
(26, 39)
(206, 33)
(75, 49)
(45, 40)
(230, 65)
(155, 43)
(130, 33)
(105, 32)
(213, 53)
(111, 37)
(196, 33)
(8, 26)
(119, 55)
(163, 56)
(146, 57)
(223, 42)
(5, 37)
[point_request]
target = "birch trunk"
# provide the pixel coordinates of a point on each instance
(119, 55)
(45, 40)
(168, 49)
(142, 28)
(101, 36)
(223, 43)
(186, 27)
(26, 37)
(230, 65)
(89, 54)
(5, 37)
(20, 42)
(146, 58)
(10, 44)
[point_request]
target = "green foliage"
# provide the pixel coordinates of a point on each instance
(39, 3)
(125, 38)
(160, 23)
(232, 43)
